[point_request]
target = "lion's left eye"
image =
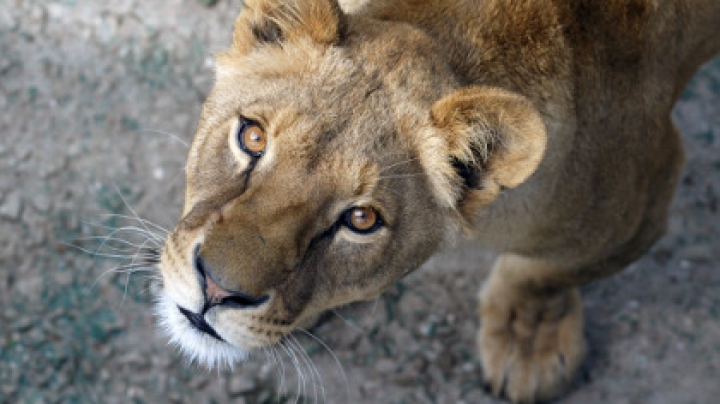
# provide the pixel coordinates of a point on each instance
(252, 138)
(363, 220)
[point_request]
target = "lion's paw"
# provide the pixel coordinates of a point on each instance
(531, 347)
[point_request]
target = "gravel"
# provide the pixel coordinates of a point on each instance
(98, 99)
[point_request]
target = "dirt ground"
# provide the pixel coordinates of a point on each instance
(97, 101)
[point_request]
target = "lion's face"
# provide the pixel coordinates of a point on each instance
(318, 176)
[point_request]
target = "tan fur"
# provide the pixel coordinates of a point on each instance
(541, 128)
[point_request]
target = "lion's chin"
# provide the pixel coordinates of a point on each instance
(197, 346)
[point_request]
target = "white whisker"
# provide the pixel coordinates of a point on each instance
(132, 229)
(403, 162)
(400, 176)
(132, 262)
(168, 134)
(304, 362)
(143, 221)
(132, 210)
(349, 323)
(313, 370)
(281, 363)
(301, 377)
(330, 351)
(271, 353)
(99, 254)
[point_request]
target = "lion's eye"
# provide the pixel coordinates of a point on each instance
(362, 220)
(251, 138)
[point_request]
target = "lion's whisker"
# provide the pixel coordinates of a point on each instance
(403, 162)
(349, 323)
(103, 255)
(132, 210)
(330, 351)
(134, 230)
(168, 134)
(141, 220)
(114, 244)
(400, 176)
(298, 369)
(133, 261)
(122, 269)
(313, 369)
(281, 363)
(271, 353)
(394, 191)
(303, 362)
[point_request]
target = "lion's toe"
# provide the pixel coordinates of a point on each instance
(529, 356)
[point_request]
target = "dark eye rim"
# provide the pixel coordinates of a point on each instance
(245, 124)
(346, 221)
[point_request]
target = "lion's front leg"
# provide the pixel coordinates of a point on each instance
(531, 339)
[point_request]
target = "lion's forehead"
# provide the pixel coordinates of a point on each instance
(321, 172)
(335, 82)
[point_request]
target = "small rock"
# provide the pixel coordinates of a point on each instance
(12, 207)
(41, 202)
(240, 385)
(469, 367)
(386, 366)
(158, 173)
(73, 150)
(198, 382)
(8, 389)
(24, 324)
(265, 397)
(410, 305)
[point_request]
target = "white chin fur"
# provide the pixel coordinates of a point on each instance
(197, 346)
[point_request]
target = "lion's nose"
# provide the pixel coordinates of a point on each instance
(216, 295)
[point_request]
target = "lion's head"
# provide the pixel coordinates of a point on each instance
(335, 154)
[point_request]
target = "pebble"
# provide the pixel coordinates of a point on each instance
(12, 206)
(7, 21)
(240, 385)
(8, 389)
(198, 382)
(386, 366)
(41, 202)
(23, 324)
(158, 173)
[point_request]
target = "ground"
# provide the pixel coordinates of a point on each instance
(97, 101)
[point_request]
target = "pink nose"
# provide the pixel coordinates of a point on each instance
(216, 295)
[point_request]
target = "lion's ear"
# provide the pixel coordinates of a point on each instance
(495, 140)
(278, 21)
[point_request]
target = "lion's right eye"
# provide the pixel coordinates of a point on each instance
(362, 220)
(251, 138)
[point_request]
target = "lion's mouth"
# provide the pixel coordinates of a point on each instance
(196, 338)
(198, 321)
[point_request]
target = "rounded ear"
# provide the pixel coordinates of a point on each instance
(278, 21)
(495, 139)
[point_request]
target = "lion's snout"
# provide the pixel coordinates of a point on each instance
(216, 294)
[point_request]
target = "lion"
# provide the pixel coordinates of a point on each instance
(344, 144)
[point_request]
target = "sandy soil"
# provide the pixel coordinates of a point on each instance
(98, 99)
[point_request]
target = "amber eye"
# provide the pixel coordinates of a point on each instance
(362, 220)
(252, 138)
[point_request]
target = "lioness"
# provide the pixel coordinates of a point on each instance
(342, 146)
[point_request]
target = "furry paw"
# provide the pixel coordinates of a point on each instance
(531, 346)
